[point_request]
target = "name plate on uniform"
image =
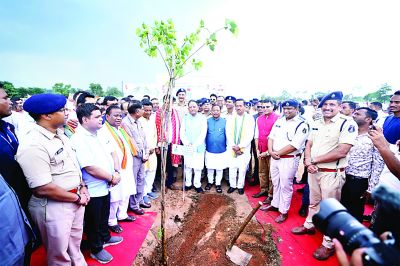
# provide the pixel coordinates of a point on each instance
(182, 150)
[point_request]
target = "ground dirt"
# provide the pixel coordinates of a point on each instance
(199, 228)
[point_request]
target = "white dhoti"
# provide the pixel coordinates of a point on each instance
(237, 168)
(282, 174)
(119, 196)
(150, 168)
(194, 162)
(216, 162)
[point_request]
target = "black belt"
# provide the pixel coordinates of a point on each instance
(352, 177)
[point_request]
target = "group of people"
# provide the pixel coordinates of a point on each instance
(92, 160)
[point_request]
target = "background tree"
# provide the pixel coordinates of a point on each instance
(161, 39)
(381, 95)
(60, 88)
(96, 89)
(113, 91)
(9, 88)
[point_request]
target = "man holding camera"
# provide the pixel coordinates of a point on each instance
(325, 158)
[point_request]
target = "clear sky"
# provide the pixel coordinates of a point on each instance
(301, 46)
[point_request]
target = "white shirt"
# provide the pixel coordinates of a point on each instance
(93, 151)
(292, 132)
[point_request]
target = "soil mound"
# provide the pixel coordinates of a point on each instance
(206, 231)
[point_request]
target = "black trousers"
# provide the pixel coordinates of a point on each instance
(97, 213)
(353, 195)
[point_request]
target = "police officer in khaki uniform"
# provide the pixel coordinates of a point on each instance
(53, 174)
(328, 144)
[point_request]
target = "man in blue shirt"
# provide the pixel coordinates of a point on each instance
(9, 168)
(391, 126)
(16, 232)
(216, 156)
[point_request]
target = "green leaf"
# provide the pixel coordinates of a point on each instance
(201, 23)
(159, 233)
(212, 47)
(213, 37)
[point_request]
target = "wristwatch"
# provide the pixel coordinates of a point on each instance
(312, 160)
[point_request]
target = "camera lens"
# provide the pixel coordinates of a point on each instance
(334, 221)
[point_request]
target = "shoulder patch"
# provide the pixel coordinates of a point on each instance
(352, 128)
(59, 151)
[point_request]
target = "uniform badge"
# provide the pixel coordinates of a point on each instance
(304, 131)
(352, 129)
(333, 95)
(59, 151)
(287, 104)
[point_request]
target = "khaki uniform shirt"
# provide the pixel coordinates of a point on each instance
(327, 136)
(46, 158)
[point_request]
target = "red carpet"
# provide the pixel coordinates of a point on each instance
(295, 250)
(124, 253)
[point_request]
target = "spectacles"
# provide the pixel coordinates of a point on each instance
(263, 107)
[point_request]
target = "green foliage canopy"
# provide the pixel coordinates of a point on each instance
(162, 39)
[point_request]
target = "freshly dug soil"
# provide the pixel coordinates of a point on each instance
(206, 230)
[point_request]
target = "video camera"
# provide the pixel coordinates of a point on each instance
(334, 220)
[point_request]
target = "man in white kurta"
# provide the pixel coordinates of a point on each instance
(150, 166)
(285, 145)
(239, 134)
(193, 133)
(119, 194)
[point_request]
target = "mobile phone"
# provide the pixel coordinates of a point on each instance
(372, 127)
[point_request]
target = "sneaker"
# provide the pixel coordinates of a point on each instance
(146, 199)
(102, 256)
(114, 240)
(152, 195)
(208, 186)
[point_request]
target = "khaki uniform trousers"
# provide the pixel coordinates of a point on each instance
(264, 165)
(61, 227)
(323, 185)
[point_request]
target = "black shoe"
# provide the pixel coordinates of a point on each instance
(218, 189)
(260, 194)
(187, 188)
(199, 190)
(240, 191)
(145, 205)
(303, 210)
(208, 186)
(230, 190)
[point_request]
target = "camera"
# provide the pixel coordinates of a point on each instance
(335, 221)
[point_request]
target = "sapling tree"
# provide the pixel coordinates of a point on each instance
(179, 59)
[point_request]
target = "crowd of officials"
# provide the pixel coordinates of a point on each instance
(78, 165)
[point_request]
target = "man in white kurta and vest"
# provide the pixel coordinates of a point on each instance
(150, 167)
(329, 142)
(193, 134)
(119, 194)
(239, 134)
(134, 128)
(285, 145)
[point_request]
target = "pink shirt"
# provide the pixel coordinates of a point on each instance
(264, 126)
